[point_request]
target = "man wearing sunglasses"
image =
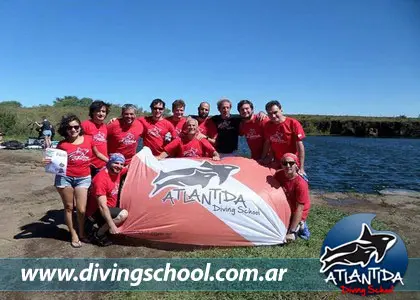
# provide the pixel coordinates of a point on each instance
(297, 194)
(124, 133)
(282, 135)
(156, 128)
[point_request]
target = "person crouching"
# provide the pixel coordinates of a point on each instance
(102, 205)
(297, 192)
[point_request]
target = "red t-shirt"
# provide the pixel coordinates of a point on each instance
(104, 184)
(99, 135)
(284, 136)
(194, 148)
(207, 127)
(254, 134)
(297, 191)
(123, 138)
(155, 132)
(78, 156)
(178, 124)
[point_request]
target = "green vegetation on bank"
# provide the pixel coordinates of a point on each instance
(17, 122)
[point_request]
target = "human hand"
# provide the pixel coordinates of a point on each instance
(112, 120)
(216, 157)
(46, 161)
(290, 237)
(201, 136)
(261, 116)
(113, 230)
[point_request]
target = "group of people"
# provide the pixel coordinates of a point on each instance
(99, 154)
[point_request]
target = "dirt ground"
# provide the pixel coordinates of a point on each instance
(33, 226)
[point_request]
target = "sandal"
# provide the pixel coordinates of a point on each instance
(77, 244)
(102, 240)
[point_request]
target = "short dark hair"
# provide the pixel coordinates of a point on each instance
(97, 105)
(177, 103)
(220, 102)
(271, 104)
(157, 101)
(65, 120)
(242, 102)
(128, 106)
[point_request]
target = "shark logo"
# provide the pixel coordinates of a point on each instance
(360, 260)
(359, 251)
(197, 176)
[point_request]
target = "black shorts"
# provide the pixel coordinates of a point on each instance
(99, 219)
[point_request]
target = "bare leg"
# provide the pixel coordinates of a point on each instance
(117, 221)
(67, 194)
(81, 200)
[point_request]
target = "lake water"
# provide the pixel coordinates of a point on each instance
(367, 165)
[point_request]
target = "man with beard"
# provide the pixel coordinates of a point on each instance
(206, 126)
(156, 128)
(283, 135)
(102, 205)
(177, 119)
(96, 128)
(252, 128)
(124, 133)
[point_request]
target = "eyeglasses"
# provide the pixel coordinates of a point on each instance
(77, 127)
(288, 163)
(157, 108)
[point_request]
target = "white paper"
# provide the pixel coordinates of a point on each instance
(58, 163)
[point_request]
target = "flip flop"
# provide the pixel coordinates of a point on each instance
(77, 244)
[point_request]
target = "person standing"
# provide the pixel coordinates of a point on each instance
(46, 130)
(205, 124)
(124, 133)
(157, 128)
(97, 129)
(252, 128)
(177, 119)
(282, 135)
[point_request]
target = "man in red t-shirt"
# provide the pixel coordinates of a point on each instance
(177, 119)
(157, 130)
(252, 127)
(297, 192)
(189, 145)
(124, 133)
(205, 124)
(103, 198)
(96, 128)
(283, 135)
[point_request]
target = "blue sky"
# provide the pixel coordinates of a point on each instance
(316, 57)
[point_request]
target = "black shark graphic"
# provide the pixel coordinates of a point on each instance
(347, 253)
(193, 176)
(360, 256)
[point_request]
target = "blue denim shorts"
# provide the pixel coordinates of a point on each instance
(74, 182)
(46, 132)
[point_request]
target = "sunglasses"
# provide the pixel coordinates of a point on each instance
(288, 163)
(157, 108)
(77, 127)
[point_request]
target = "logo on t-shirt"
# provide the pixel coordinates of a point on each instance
(154, 131)
(129, 139)
(252, 134)
(99, 137)
(80, 154)
(225, 125)
(114, 191)
(192, 152)
(277, 137)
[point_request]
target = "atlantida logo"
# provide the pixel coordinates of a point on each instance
(360, 260)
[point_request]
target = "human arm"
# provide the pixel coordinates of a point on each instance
(216, 155)
(301, 155)
(103, 208)
(296, 218)
(163, 155)
(99, 154)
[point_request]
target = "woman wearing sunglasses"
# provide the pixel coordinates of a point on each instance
(75, 184)
(297, 192)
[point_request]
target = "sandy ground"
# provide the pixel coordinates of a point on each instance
(33, 226)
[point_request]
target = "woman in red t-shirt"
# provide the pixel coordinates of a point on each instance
(188, 144)
(80, 150)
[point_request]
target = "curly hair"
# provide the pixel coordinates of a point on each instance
(97, 105)
(65, 120)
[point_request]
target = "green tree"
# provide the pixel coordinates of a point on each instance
(72, 101)
(11, 104)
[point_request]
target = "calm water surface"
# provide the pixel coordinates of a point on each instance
(364, 165)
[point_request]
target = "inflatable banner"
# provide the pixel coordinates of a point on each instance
(231, 202)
